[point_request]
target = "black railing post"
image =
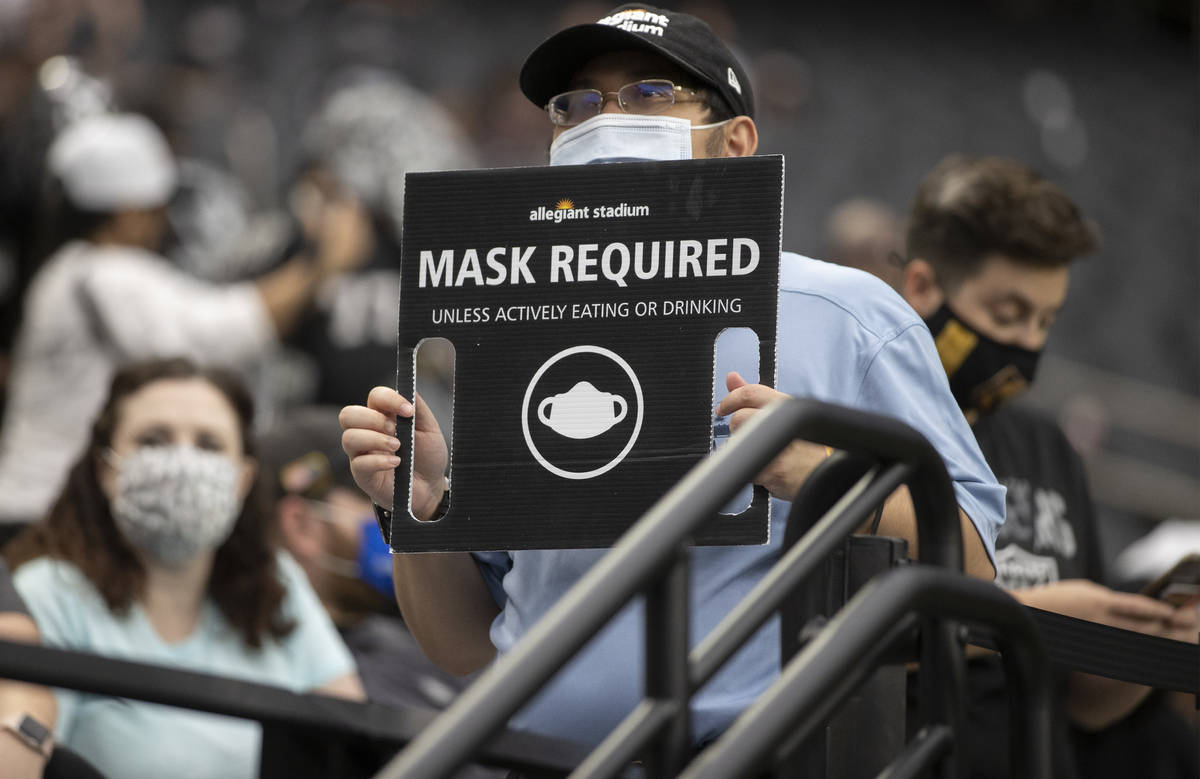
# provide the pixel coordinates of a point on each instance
(868, 730)
(940, 544)
(941, 681)
(871, 625)
(666, 628)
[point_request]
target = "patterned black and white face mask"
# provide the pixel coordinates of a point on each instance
(174, 502)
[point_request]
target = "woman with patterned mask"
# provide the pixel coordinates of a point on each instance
(157, 551)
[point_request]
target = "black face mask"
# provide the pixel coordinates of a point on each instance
(983, 373)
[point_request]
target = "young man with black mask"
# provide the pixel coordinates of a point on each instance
(989, 249)
(651, 84)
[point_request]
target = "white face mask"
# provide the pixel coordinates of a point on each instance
(626, 138)
(174, 502)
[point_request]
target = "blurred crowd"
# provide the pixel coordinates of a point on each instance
(204, 202)
(190, 290)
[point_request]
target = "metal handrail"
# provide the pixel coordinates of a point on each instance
(885, 612)
(881, 615)
(334, 718)
(653, 548)
(797, 562)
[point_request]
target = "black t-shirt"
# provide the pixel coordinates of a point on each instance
(1049, 534)
(1049, 531)
(351, 335)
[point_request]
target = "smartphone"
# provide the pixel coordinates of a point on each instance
(1179, 584)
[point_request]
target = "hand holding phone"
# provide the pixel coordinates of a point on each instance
(1178, 585)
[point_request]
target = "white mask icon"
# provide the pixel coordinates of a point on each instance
(582, 412)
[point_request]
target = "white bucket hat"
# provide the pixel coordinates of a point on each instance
(112, 162)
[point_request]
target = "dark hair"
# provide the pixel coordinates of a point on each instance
(59, 221)
(711, 99)
(68, 221)
(718, 108)
(716, 105)
(968, 209)
(244, 582)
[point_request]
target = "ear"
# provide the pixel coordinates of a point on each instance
(921, 289)
(296, 528)
(741, 137)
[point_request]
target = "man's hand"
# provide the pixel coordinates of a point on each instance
(369, 439)
(442, 596)
(783, 476)
(1085, 599)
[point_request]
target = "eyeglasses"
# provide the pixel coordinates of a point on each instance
(649, 96)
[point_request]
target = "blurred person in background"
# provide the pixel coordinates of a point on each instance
(370, 130)
(327, 524)
(158, 551)
(105, 298)
(44, 84)
(990, 245)
(866, 234)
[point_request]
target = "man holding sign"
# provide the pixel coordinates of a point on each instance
(649, 84)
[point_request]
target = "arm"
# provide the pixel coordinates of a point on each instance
(318, 658)
(17, 698)
(448, 608)
(347, 686)
(786, 473)
(343, 238)
(443, 597)
(147, 308)
(1096, 702)
(900, 520)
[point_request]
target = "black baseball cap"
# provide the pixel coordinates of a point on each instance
(302, 455)
(681, 38)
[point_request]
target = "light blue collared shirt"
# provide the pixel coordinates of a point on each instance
(844, 337)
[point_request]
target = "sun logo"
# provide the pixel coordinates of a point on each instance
(564, 204)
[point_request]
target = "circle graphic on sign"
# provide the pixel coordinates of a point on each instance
(599, 410)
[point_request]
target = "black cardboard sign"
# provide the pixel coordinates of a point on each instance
(583, 303)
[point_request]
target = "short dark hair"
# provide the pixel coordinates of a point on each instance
(968, 209)
(244, 582)
(718, 107)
